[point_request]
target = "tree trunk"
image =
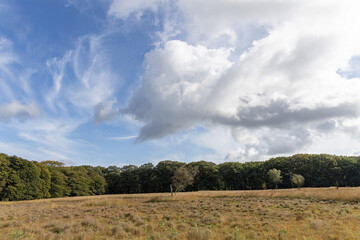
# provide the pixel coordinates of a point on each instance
(171, 190)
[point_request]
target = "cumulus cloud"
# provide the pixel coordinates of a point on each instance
(279, 113)
(262, 143)
(176, 87)
(243, 155)
(19, 111)
(206, 20)
(285, 89)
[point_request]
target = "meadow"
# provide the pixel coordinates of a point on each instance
(308, 213)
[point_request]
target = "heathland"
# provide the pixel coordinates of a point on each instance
(307, 213)
(131, 211)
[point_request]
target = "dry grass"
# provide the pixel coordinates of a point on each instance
(326, 213)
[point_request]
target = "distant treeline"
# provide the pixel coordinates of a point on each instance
(21, 179)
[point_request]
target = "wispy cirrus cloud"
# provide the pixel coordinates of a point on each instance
(7, 58)
(123, 138)
(123, 9)
(51, 111)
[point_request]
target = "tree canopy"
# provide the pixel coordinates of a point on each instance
(183, 177)
(275, 176)
(298, 180)
(21, 179)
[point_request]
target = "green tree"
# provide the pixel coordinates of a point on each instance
(51, 163)
(163, 173)
(231, 175)
(97, 182)
(208, 177)
(146, 177)
(129, 181)
(4, 171)
(275, 176)
(12, 187)
(77, 180)
(34, 176)
(58, 186)
(298, 180)
(182, 178)
(112, 177)
(253, 175)
(45, 180)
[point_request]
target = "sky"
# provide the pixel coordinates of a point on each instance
(117, 82)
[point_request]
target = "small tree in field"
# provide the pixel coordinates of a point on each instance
(182, 178)
(275, 176)
(298, 180)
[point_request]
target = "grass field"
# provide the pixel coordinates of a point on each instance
(324, 213)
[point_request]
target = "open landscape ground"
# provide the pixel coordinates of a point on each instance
(324, 213)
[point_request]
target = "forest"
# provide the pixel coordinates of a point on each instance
(21, 179)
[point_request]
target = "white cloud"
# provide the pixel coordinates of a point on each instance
(7, 56)
(74, 100)
(262, 77)
(215, 139)
(49, 137)
(337, 142)
(95, 79)
(124, 8)
(352, 69)
(104, 111)
(33, 152)
(23, 150)
(68, 103)
(123, 138)
(16, 110)
(80, 79)
(57, 69)
(279, 90)
(244, 154)
(177, 87)
(206, 20)
(13, 80)
(93, 83)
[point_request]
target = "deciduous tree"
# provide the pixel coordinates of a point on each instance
(298, 180)
(275, 176)
(182, 178)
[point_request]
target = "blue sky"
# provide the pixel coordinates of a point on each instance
(115, 82)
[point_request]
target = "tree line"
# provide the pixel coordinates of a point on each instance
(21, 179)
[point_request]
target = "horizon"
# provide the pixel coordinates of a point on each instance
(195, 161)
(115, 82)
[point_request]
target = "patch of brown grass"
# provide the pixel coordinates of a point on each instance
(325, 213)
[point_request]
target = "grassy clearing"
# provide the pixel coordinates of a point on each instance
(326, 213)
